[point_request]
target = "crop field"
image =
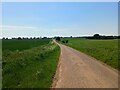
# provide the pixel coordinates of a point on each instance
(0, 63)
(0, 51)
(103, 50)
(22, 44)
(31, 67)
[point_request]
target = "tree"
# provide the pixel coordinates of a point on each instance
(66, 41)
(38, 38)
(19, 38)
(30, 37)
(3, 38)
(27, 38)
(58, 38)
(96, 36)
(6, 39)
(34, 38)
(118, 37)
(63, 41)
(44, 38)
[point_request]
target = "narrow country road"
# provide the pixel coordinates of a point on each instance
(78, 70)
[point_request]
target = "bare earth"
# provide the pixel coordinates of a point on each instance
(78, 70)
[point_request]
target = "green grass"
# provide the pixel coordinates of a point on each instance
(30, 68)
(0, 49)
(0, 63)
(22, 44)
(103, 50)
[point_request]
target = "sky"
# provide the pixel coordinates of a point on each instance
(39, 19)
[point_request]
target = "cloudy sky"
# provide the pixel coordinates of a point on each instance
(29, 19)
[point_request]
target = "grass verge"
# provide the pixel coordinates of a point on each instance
(32, 68)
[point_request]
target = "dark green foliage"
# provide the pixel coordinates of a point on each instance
(96, 36)
(65, 41)
(19, 38)
(118, 37)
(58, 38)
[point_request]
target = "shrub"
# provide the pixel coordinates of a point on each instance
(66, 41)
(58, 38)
(63, 41)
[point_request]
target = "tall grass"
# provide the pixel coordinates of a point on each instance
(31, 68)
(103, 50)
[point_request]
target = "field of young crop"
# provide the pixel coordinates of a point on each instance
(103, 50)
(33, 67)
(0, 50)
(22, 44)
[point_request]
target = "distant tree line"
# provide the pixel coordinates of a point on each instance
(97, 36)
(59, 39)
(26, 38)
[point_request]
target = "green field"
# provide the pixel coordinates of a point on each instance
(0, 49)
(103, 50)
(22, 44)
(33, 67)
(0, 63)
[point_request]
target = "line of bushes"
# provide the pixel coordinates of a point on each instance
(65, 41)
(97, 36)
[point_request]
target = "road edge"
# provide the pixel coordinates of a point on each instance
(56, 75)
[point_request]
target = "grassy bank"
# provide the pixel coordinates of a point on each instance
(103, 50)
(31, 68)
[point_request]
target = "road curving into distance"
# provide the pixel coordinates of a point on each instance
(78, 70)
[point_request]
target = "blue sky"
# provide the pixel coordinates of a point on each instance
(29, 19)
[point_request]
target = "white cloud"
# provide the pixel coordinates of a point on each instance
(29, 31)
(16, 28)
(75, 30)
(15, 31)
